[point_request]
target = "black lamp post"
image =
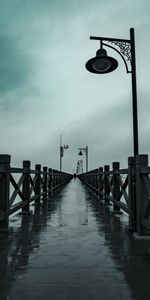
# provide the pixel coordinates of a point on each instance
(102, 64)
(86, 153)
(80, 164)
(61, 153)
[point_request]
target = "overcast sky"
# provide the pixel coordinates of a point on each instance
(46, 91)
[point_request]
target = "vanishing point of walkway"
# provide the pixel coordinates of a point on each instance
(71, 250)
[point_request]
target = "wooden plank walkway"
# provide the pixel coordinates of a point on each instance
(73, 249)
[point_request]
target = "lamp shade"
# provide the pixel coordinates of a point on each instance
(80, 153)
(101, 63)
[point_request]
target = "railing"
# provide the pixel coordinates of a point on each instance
(127, 189)
(33, 185)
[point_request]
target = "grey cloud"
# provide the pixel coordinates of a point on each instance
(14, 65)
(45, 89)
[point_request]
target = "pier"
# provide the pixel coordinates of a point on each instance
(73, 247)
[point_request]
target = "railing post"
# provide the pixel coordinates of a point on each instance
(4, 191)
(132, 194)
(116, 188)
(142, 195)
(53, 181)
(106, 184)
(38, 184)
(45, 184)
(100, 183)
(85, 177)
(97, 182)
(26, 186)
(56, 178)
(50, 183)
(93, 179)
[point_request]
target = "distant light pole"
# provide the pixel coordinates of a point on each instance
(62, 151)
(102, 63)
(79, 164)
(86, 153)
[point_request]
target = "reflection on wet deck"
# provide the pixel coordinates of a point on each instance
(73, 249)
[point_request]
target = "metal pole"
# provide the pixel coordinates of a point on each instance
(134, 94)
(61, 152)
(82, 165)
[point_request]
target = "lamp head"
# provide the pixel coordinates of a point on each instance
(80, 153)
(101, 63)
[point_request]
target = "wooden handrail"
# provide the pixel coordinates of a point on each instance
(132, 183)
(33, 185)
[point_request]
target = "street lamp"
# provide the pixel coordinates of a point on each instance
(102, 64)
(79, 164)
(86, 153)
(62, 151)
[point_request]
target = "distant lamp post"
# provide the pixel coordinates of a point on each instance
(85, 150)
(79, 166)
(102, 64)
(62, 151)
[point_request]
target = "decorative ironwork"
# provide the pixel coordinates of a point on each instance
(125, 49)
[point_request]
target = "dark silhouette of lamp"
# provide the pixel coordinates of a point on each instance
(80, 153)
(83, 151)
(101, 63)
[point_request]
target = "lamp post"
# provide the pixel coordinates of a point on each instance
(102, 64)
(86, 153)
(62, 151)
(79, 164)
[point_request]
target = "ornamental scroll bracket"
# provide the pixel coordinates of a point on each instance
(124, 51)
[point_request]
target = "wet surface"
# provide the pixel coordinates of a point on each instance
(73, 249)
